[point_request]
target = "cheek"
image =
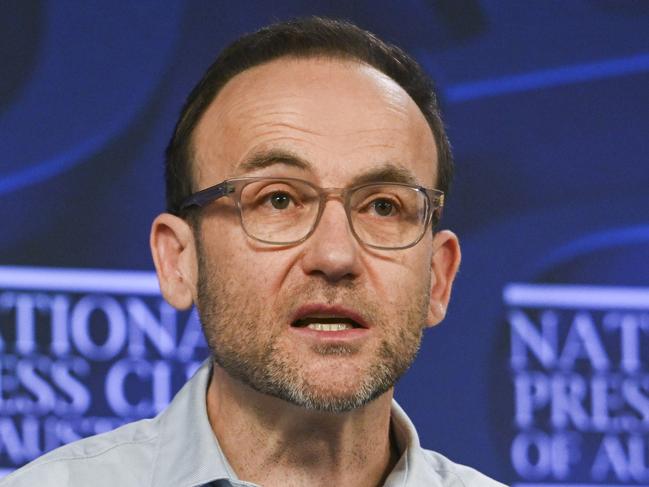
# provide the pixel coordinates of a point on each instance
(223, 239)
(399, 275)
(248, 266)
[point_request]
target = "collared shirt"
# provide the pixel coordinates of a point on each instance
(179, 449)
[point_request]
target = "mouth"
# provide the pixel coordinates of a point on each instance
(326, 323)
(327, 319)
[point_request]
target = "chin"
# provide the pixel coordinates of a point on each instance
(335, 394)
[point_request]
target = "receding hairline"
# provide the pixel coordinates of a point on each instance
(339, 57)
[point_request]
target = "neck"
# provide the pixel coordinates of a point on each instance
(270, 442)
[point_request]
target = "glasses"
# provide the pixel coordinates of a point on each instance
(284, 211)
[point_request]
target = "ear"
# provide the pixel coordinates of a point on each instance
(174, 255)
(445, 263)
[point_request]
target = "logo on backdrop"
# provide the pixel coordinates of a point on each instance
(82, 352)
(578, 359)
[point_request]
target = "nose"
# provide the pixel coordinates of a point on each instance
(332, 251)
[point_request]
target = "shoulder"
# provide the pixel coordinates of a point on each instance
(456, 475)
(120, 457)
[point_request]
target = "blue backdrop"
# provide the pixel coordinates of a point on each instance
(547, 107)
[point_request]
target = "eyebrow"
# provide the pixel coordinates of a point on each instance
(263, 159)
(385, 172)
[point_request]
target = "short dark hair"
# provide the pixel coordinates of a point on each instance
(300, 38)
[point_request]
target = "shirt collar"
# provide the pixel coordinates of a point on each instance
(414, 466)
(189, 454)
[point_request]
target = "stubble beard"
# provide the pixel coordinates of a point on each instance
(245, 340)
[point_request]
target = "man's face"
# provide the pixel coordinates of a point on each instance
(332, 122)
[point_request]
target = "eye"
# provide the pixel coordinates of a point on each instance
(279, 200)
(383, 207)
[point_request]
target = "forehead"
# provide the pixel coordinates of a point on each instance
(343, 117)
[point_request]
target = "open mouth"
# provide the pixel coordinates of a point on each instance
(326, 323)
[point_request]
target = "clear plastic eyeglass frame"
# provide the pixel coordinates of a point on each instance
(433, 200)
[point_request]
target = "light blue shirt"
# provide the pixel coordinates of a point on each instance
(179, 449)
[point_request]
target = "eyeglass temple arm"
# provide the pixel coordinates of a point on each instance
(208, 195)
(437, 200)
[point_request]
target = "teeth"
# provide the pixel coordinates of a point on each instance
(329, 326)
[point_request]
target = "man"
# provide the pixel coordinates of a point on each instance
(300, 223)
